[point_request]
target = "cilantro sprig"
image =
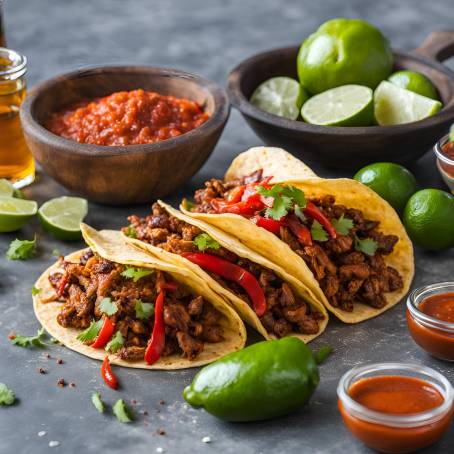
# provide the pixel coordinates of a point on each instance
(21, 249)
(368, 246)
(90, 334)
(31, 341)
(121, 411)
(204, 241)
(130, 231)
(143, 310)
(115, 343)
(135, 273)
(7, 396)
(342, 225)
(318, 233)
(284, 198)
(35, 291)
(97, 402)
(106, 306)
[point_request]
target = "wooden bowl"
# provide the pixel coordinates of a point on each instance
(348, 147)
(130, 174)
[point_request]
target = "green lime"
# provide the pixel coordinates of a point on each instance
(415, 82)
(429, 219)
(6, 188)
(15, 213)
(349, 105)
(391, 181)
(280, 96)
(342, 52)
(395, 105)
(62, 217)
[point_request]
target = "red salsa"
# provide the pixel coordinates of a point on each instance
(439, 306)
(448, 151)
(128, 118)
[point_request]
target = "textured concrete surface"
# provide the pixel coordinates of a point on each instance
(207, 37)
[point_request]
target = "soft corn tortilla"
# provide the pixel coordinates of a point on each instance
(348, 192)
(232, 244)
(111, 246)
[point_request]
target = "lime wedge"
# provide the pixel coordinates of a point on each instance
(6, 188)
(395, 105)
(280, 96)
(348, 105)
(62, 217)
(15, 213)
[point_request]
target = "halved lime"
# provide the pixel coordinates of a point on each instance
(14, 213)
(6, 188)
(62, 217)
(280, 96)
(348, 105)
(395, 105)
(414, 81)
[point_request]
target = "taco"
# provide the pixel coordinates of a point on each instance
(268, 298)
(143, 312)
(337, 236)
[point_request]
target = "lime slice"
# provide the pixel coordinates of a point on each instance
(280, 96)
(15, 213)
(395, 105)
(348, 105)
(62, 217)
(6, 188)
(414, 81)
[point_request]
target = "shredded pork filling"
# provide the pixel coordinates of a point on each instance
(189, 320)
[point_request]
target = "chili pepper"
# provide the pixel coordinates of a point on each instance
(62, 285)
(170, 286)
(299, 230)
(105, 334)
(235, 194)
(269, 224)
(244, 208)
(233, 273)
(158, 337)
(108, 376)
(312, 211)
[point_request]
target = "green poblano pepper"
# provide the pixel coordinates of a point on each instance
(263, 381)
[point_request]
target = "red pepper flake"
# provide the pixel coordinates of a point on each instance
(72, 385)
(12, 335)
(145, 412)
(47, 356)
(134, 402)
(162, 402)
(161, 431)
(61, 382)
(60, 361)
(42, 371)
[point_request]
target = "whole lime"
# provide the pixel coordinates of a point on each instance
(415, 82)
(391, 181)
(429, 219)
(342, 52)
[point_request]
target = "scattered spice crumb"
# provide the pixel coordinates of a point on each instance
(42, 371)
(72, 385)
(47, 355)
(206, 440)
(60, 361)
(12, 335)
(134, 402)
(161, 431)
(145, 412)
(162, 402)
(41, 433)
(61, 382)
(54, 444)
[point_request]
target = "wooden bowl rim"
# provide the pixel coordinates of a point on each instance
(239, 100)
(32, 126)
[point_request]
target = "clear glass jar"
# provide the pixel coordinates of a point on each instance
(444, 163)
(395, 433)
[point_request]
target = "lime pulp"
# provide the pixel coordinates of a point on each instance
(15, 213)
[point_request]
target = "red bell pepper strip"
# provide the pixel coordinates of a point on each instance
(105, 334)
(170, 286)
(312, 211)
(233, 273)
(158, 337)
(108, 376)
(299, 230)
(62, 285)
(269, 224)
(244, 208)
(235, 194)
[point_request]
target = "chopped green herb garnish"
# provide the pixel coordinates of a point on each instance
(107, 307)
(322, 353)
(56, 253)
(188, 204)
(90, 334)
(30, 341)
(97, 402)
(35, 290)
(343, 225)
(451, 133)
(7, 396)
(318, 233)
(144, 310)
(299, 213)
(21, 249)
(284, 198)
(135, 273)
(204, 241)
(131, 232)
(55, 341)
(121, 411)
(368, 246)
(115, 343)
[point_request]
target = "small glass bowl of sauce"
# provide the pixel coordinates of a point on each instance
(395, 407)
(430, 319)
(444, 151)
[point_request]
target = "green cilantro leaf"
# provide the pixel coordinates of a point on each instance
(284, 198)
(21, 249)
(131, 232)
(368, 246)
(97, 402)
(299, 213)
(297, 195)
(7, 396)
(107, 307)
(144, 310)
(56, 253)
(188, 204)
(135, 273)
(35, 290)
(204, 241)
(90, 334)
(115, 343)
(30, 341)
(342, 225)
(318, 232)
(121, 411)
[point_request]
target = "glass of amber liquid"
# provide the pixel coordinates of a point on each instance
(16, 160)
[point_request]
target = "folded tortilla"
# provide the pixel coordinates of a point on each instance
(231, 243)
(348, 192)
(111, 246)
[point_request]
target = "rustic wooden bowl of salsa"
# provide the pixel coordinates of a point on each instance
(122, 135)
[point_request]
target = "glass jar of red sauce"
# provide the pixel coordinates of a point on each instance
(430, 319)
(395, 407)
(444, 150)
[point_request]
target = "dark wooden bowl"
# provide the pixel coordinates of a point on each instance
(131, 174)
(347, 147)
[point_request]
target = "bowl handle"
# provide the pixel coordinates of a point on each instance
(439, 45)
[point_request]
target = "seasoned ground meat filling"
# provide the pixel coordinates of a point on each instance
(345, 274)
(189, 320)
(285, 313)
